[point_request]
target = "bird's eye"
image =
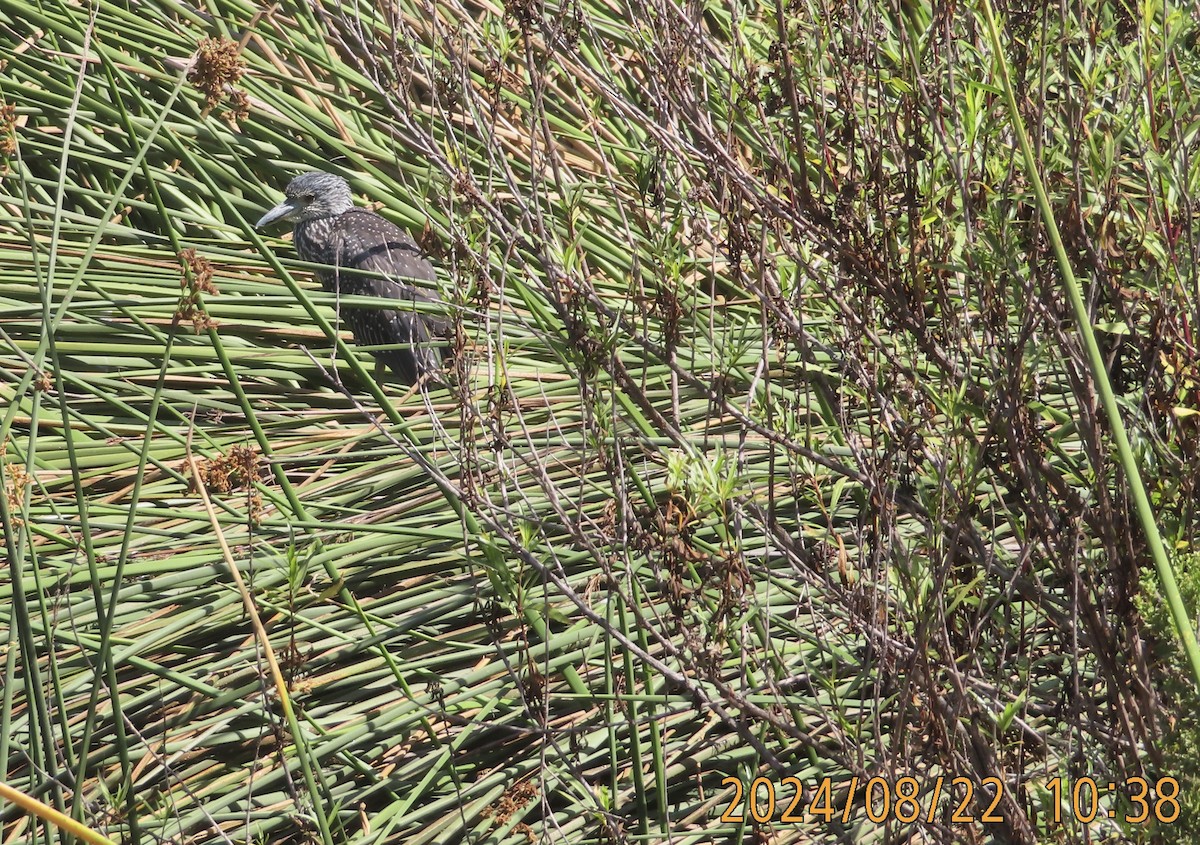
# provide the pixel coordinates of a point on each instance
(308, 197)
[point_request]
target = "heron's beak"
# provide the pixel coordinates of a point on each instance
(286, 210)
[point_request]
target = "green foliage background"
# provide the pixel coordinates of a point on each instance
(772, 450)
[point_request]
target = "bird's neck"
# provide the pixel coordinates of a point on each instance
(311, 238)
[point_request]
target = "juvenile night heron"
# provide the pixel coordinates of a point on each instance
(328, 229)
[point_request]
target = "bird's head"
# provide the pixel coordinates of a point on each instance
(310, 196)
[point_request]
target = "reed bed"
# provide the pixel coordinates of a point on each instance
(771, 451)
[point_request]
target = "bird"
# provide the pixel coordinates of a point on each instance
(328, 229)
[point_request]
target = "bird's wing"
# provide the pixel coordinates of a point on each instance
(366, 241)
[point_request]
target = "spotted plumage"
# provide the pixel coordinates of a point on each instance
(328, 229)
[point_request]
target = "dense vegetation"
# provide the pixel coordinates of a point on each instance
(773, 448)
